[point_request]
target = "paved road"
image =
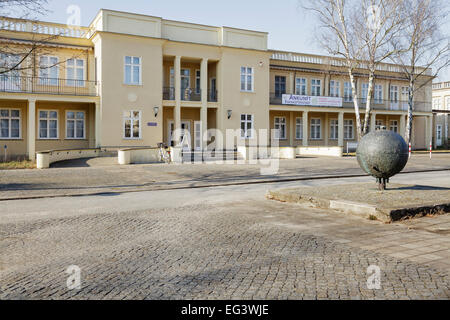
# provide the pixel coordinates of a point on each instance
(217, 243)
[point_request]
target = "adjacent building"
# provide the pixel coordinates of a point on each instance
(130, 80)
(441, 113)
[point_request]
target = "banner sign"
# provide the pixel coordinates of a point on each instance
(312, 101)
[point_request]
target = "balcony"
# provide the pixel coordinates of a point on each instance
(387, 105)
(19, 84)
(188, 94)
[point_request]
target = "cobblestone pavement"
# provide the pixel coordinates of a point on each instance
(224, 250)
(105, 176)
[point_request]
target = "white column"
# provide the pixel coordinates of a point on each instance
(177, 109)
(325, 130)
(98, 125)
(291, 129)
(204, 109)
(431, 131)
(31, 139)
(402, 125)
(305, 128)
(341, 129)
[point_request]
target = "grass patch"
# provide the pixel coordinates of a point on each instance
(25, 164)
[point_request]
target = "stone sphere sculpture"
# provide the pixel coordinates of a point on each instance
(382, 154)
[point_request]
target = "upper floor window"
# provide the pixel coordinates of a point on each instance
(197, 81)
(246, 126)
(364, 91)
(132, 124)
(448, 103)
(48, 70)
(280, 127)
(348, 95)
(335, 88)
(75, 72)
(75, 125)
(378, 93)
(246, 79)
(301, 86)
(437, 104)
(133, 72)
(280, 86)
(405, 93)
(394, 94)
(316, 87)
(48, 124)
(10, 124)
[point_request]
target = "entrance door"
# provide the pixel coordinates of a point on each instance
(197, 135)
(439, 135)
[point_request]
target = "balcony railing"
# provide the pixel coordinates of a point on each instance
(212, 96)
(168, 93)
(191, 94)
(56, 86)
(420, 106)
(188, 94)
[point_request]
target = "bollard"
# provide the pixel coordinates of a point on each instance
(410, 150)
(6, 147)
(431, 148)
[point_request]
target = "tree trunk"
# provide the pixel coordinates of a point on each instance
(410, 113)
(368, 104)
(356, 105)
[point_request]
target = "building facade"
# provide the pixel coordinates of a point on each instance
(441, 113)
(130, 80)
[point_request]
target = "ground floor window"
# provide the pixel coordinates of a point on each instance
(280, 127)
(298, 128)
(10, 124)
(393, 126)
(132, 124)
(48, 124)
(246, 126)
(75, 125)
(348, 129)
(379, 124)
(334, 129)
(316, 129)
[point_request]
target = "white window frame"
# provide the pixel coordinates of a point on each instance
(75, 125)
(378, 94)
(247, 133)
(10, 118)
(132, 118)
(392, 125)
(335, 88)
(298, 128)
(281, 123)
(48, 126)
(246, 74)
(301, 86)
(394, 94)
(44, 79)
(316, 84)
(364, 91)
(349, 127)
(348, 92)
(334, 123)
(132, 65)
(319, 125)
(447, 103)
(76, 82)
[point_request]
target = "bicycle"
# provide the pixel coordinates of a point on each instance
(164, 154)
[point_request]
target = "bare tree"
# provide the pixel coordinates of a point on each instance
(422, 50)
(337, 36)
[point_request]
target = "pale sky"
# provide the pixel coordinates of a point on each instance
(289, 27)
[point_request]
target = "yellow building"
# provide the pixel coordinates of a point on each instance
(130, 80)
(441, 112)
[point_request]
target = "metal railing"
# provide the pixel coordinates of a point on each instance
(191, 94)
(212, 96)
(420, 106)
(168, 93)
(56, 86)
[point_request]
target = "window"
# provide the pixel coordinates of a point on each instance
(197, 82)
(298, 128)
(280, 127)
(348, 95)
(48, 124)
(348, 129)
(9, 80)
(316, 129)
(393, 126)
(394, 94)
(334, 129)
(378, 94)
(316, 88)
(301, 86)
(280, 86)
(132, 72)
(246, 79)
(335, 88)
(48, 70)
(364, 91)
(405, 93)
(246, 126)
(448, 103)
(75, 73)
(437, 103)
(10, 124)
(132, 124)
(75, 125)
(379, 124)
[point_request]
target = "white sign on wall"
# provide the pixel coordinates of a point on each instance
(312, 101)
